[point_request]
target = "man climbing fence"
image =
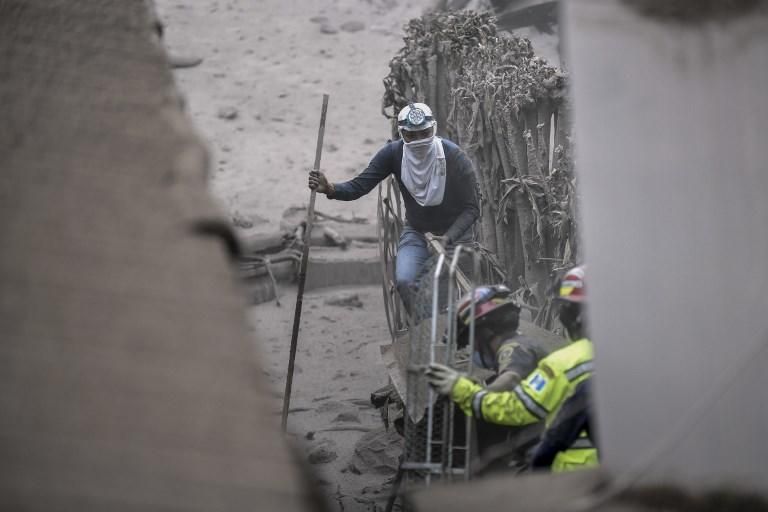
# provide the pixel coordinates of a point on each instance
(438, 186)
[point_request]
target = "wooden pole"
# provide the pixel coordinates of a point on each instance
(303, 271)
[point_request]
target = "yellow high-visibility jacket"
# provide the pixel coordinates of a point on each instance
(537, 398)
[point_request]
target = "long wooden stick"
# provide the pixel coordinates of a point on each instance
(303, 271)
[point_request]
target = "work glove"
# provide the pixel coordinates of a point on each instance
(318, 182)
(442, 378)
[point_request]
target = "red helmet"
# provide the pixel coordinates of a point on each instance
(496, 299)
(572, 286)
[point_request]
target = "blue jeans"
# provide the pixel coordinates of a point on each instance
(412, 253)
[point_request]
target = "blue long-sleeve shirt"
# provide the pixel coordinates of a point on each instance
(451, 218)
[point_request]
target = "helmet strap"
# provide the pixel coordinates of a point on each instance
(479, 358)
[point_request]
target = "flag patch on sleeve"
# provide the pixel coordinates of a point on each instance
(537, 382)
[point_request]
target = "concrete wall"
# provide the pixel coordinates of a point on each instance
(128, 380)
(671, 135)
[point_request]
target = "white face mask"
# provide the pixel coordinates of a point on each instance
(423, 170)
(420, 148)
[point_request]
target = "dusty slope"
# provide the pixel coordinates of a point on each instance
(337, 367)
(256, 99)
(266, 65)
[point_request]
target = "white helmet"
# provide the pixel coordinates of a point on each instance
(415, 117)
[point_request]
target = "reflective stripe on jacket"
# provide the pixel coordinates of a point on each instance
(537, 398)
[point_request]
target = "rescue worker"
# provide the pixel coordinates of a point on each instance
(542, 393)
(573, 418)
(498, 346)
(438, 185)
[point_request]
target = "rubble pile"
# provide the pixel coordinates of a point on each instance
(344, 252)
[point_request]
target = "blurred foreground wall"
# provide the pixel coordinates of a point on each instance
(671, 117)
(127, 378)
